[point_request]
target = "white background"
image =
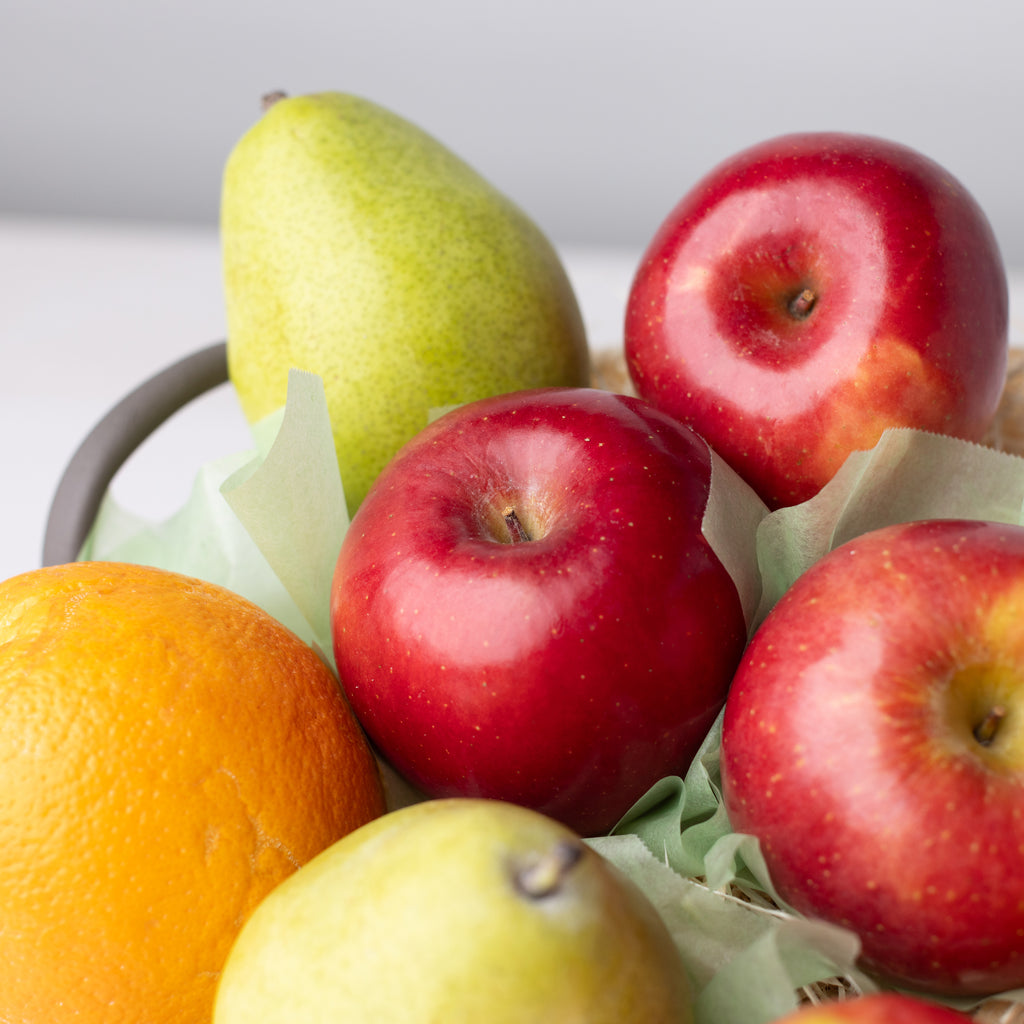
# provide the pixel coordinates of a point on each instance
(116, 119)
(594, 115)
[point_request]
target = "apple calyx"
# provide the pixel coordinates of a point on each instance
(985, 731)
(802, 304)
(545, 874)
(516, 531)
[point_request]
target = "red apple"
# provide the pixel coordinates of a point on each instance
(525, 607)
(876, 1008)
(873, 741)
(812, 291)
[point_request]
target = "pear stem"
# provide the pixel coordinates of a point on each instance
(547, 874)
(801, 304)
(516, 531)
(270, 98)
(985, 731)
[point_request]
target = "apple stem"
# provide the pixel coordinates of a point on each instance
(985, 731)
(546, 874)
(801, 304)
(516, 532)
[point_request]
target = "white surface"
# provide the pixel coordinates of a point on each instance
(595, 116)
(90, 310)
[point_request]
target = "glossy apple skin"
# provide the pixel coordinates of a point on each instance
(876, 1008)
(909, 325)
(848, 750)
(567, 672)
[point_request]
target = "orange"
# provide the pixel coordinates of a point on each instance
(169, 753)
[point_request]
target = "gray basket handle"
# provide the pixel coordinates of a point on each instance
(106, 448)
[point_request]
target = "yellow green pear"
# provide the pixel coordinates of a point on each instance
(358, 247)
(459, 910)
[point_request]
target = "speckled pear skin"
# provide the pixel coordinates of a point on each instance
(358, 247)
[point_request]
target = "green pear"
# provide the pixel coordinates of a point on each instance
(459, 910)
(358, 247)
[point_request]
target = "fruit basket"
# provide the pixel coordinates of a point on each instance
(119, 433)
(123, 429)
(741, 939)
